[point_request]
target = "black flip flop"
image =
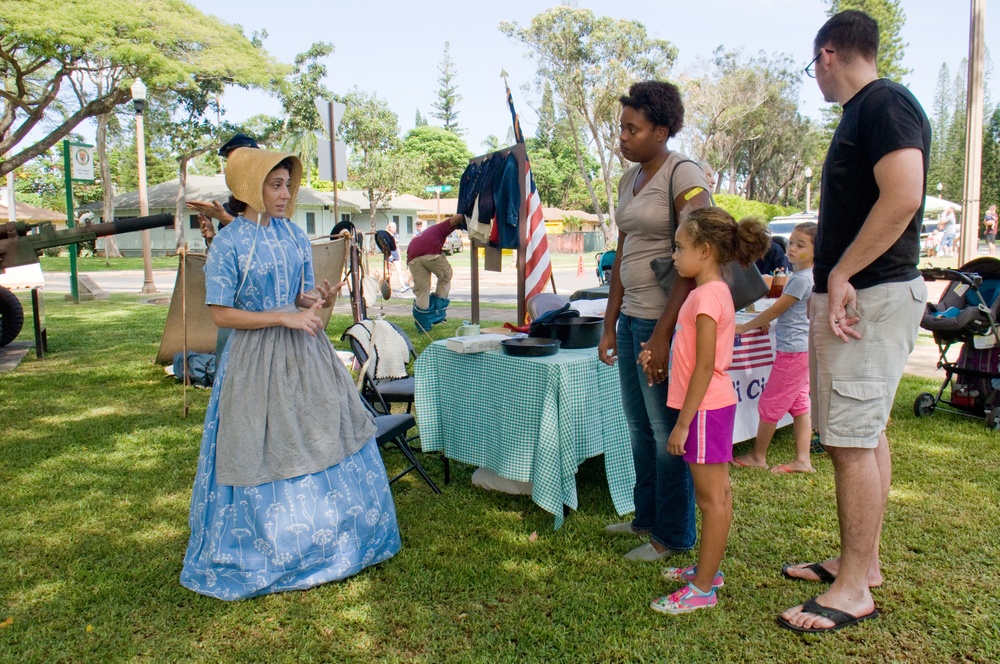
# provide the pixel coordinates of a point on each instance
(816, 568)
(840, 619)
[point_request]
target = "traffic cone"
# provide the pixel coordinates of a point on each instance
(579, 267)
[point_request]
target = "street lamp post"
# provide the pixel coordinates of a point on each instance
(139, 100)
(809, 176)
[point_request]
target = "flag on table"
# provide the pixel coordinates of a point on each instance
(752, 350)
(537, 264)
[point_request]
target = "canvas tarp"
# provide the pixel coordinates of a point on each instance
(935, 205)
(328, 263)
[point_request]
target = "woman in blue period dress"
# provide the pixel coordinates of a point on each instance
(290, 491)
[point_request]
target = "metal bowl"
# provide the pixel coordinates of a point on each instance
(530, 346)
(579, 332)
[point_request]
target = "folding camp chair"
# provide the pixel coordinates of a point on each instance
(391, 431)
(383, 392)
(544, 303)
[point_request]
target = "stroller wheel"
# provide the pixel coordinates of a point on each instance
(993, 418)
(924, 405)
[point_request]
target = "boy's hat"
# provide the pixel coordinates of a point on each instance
(248, 168)
(237, 141)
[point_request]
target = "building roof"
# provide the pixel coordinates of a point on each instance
(30, 213)
(208, 188)
(449, 206)
(399, 202)
(556, 214)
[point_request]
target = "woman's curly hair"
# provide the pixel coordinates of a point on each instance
(659, 101)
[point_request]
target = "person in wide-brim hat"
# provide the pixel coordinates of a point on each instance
(286, 432)
(248, 168)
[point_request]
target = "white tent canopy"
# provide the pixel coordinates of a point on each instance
(935, 205)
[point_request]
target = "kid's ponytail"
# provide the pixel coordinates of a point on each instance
(743, 242)
(752, 241)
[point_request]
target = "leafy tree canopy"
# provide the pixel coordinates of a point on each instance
(378, 165)
(891, 18)
(50, 48)
(441, 155)
(590, 61)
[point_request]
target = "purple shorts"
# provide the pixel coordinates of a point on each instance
(710, 438)
(787, 389)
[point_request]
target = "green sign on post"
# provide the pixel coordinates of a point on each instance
(438, 189)
(78, 162)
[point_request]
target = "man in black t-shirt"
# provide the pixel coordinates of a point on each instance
(866, 306)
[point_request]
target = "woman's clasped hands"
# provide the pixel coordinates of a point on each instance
(307, 318)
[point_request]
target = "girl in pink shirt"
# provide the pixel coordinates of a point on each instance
(701, 394)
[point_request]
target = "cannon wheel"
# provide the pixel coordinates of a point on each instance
(11, 317)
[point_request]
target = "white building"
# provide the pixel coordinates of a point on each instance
(313, 213)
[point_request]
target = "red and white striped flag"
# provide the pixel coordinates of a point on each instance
(752, 350)
(537, 264)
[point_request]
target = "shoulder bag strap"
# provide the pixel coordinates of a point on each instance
(670, 192)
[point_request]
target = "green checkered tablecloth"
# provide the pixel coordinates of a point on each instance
(527, 419)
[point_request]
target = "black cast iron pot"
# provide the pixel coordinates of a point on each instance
(575, 332)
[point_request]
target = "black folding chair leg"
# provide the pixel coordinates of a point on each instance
(414, 464)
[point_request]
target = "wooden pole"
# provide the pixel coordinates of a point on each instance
(184, 325)
(520, 152)
(974, 135)
(333, 165)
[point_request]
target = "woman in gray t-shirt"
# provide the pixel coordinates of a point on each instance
(641, 316)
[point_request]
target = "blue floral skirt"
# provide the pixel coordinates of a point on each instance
(291, 534)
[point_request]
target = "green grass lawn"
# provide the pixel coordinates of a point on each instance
(96, 465)
(99, 264)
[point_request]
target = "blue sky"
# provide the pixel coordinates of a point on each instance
(394, 47)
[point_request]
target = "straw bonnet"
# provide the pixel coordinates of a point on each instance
(246, 170)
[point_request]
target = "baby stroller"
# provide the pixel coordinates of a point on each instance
(605, 263)
(966, 314)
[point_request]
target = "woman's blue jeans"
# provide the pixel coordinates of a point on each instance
(664, 492)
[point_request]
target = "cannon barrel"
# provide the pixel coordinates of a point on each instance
(19, 247)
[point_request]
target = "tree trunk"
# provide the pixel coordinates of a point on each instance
(373, 208)
(609, 236)
(110, 246)
(181, 203)
(605, 174)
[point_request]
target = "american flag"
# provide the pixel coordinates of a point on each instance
(752, 350)
(537, 264)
